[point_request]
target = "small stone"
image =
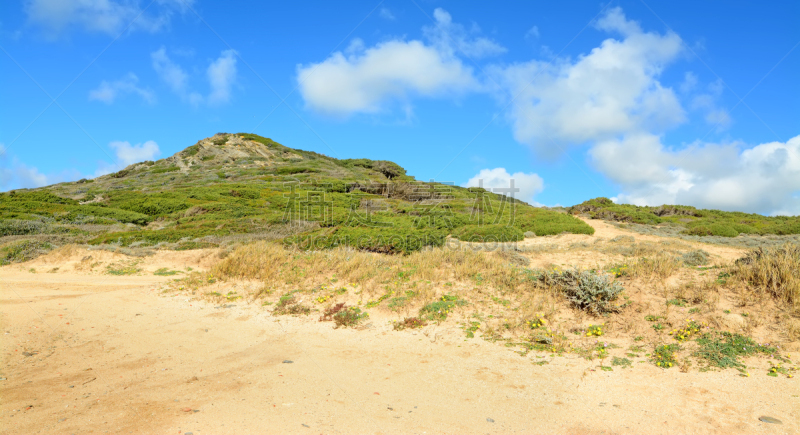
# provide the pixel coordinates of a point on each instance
(766, 419)
(490, 420)
(287, 361)
(305, 425)
(188, 433)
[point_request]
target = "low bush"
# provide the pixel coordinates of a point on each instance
(438, 310)
(409, 323)
(723, 349)
(695, 258)
(390, 240)
(164, 169)
(288, 304)
(349, 317)
(488, 233)
(24, 250)
(586, 290)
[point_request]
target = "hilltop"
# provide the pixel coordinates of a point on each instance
(234, 187)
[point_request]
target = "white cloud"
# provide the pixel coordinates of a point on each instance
(532, 33)
(171, 73)
(221, 76)
(689, 82)
(450, 38)
(128, 154)
(496, 179)
(387, 14)
(16, 175)
(101, 16)
(707, 102)
(107, 92)
(608, 92)
(614, 21)
(366, 79)
(763, 178)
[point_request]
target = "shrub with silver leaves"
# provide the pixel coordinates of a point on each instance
(586, 290)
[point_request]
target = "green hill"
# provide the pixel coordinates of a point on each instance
(689, 220)
(238, 187)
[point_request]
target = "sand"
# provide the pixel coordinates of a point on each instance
(86, 352)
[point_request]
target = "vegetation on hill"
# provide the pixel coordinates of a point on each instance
(239, 186)
(696, 222)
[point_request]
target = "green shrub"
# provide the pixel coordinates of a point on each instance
(349, 317)
(23, 250)
(244, 193)
(15, 227)
(165, 169)
(712, 230)
(695, 258)
(702, 223)
(36, 196)
(288, 304)
(548, 222)
(152, 205)
(291, 170)
(488, 233)
(723, 349)
(664, 355)
(585, 290)
(438, 311)
(390, 240)
(191, 151)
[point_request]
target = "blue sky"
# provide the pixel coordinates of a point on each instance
(645, 102)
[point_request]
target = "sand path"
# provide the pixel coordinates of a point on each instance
(106, 354)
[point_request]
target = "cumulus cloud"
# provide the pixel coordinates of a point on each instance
(128, 154)
(101, 16)
(707, 102)
(610, 91)
(387, 14)
(107, 92)
(762, 178)
(15, 174)
(169, 72)
(221, 76)
(532, 33)
(450, 38)
(496, 179)
(366, 80)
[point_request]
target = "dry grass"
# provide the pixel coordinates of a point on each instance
(660, 266)
(273, 263)
(502, 296)
(772, 271)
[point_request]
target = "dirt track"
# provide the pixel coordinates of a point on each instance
(110, 354)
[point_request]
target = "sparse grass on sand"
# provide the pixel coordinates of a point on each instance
(681, 312)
